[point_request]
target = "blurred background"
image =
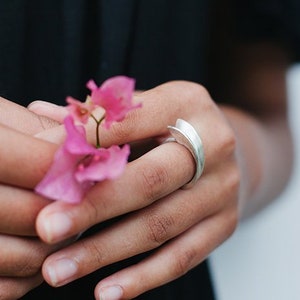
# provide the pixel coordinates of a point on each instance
(261, 260)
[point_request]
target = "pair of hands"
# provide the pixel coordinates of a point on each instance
(182, 226)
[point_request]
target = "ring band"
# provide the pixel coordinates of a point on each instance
(185, 134)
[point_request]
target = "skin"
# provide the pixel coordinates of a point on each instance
(23, 254)
(182, 226)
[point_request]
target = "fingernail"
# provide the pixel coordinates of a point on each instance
(40, 104)
(114, 292)
(56, 227)
(61, 271)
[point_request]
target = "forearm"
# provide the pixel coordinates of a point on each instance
(265, 154)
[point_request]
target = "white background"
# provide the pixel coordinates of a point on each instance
(261, 261)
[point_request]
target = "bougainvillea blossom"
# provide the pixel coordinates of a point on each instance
(78, 165)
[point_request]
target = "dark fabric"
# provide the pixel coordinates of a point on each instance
(49, 49)
(259, 20)
(195, 285)
(274, 20)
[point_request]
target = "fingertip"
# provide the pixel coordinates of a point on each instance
(37, 105)
(109, 292)
(41, 226)
(59, 271)
(48, 109)
(53, 227)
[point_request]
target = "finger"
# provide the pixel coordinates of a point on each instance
(152, 181)
(19, 209)
(15, 288)
(138, 233)
(49, 110)
(12, 115)
(23, 159)
(171, 261)
(185, 100)
(20, 257)
(179, 99)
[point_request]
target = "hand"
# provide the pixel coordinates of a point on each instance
(183, 226)
(21, 252)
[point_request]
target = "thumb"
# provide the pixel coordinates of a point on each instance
(49, 110)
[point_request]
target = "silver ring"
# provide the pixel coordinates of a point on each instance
(185, 134)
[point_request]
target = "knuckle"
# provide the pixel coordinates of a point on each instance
(93, 250)
(230, 180)
(121, 130)
(43, 122)
(202, 95)
(184, 261)
(191, 87)
(152, 180)
(31, 264)
(230, 217)
(196, 94)
(228, 141)
(92, 210)
(158, 228)
(232, 223)
(233, 179)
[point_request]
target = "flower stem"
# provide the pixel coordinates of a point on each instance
(98, 122)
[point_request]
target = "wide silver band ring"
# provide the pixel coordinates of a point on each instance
(185, 134)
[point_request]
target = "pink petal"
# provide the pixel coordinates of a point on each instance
(120, 87)
(115, 96)
(77, 165)
(59, 183)
(76, 142)
(106, 164)
(91, 85)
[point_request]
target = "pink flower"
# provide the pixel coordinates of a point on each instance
(78, 165)
(80, 111)
(115, 96)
